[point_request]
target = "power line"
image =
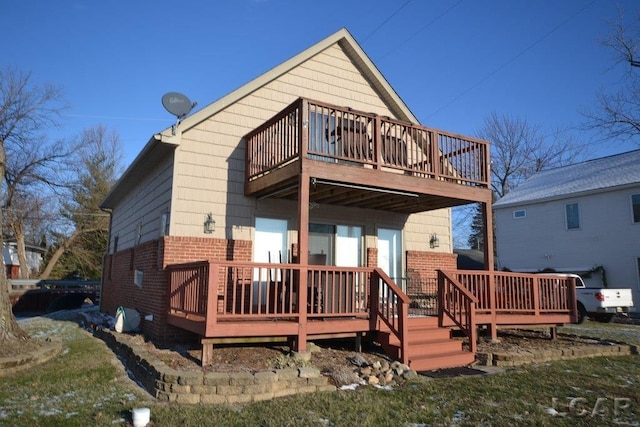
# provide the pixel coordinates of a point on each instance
(424, 27)
(386, 20)
(522, 52)
(87, 116)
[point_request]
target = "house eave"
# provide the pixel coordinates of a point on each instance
(553, 198)
(158, 147)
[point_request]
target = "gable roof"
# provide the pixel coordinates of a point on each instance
(352, 49)
(592, 176)
(162, 143)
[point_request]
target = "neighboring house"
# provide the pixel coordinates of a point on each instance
(309, 194)
(34, 254)
(582, 218)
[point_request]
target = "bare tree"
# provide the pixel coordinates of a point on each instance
(27, 110)
(99, 162)
(618, 110)
(519, 149)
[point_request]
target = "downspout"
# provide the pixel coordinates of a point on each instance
(104, 258)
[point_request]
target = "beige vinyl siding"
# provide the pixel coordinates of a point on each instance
(142, 208)
(420, 227)
(211, 157)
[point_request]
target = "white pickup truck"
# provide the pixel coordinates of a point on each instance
(600, 304)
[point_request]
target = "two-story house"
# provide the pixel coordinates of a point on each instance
(583, 218)
(305, 204)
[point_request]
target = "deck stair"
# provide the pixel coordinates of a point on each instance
(430, 346)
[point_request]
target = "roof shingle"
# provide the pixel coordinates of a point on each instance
(593, 175)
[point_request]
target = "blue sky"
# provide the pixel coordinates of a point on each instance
(451, 61)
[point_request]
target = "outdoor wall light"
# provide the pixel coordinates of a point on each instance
(209, 224)
(434, 242)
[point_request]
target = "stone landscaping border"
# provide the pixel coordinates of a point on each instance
(170, 385)
(526, 356)
(47, 351)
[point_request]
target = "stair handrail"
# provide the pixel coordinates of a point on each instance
(459, 305)
(390, 305)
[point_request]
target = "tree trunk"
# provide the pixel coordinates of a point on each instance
(9, 328)
(22, 256)
(57, 254)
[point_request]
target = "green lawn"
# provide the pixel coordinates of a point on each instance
(84, 386)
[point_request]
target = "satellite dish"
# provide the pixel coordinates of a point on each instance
(177, 104)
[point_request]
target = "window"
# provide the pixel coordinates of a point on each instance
(339, 245)
(519, 214)
(573, 216)
(164, 224)
(635, 205)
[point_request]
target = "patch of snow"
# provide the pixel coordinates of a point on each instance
(71, 414)
(130, 397)
(49, 412)
(384, 387)
(350, 386)
(554, 413)
(458, 417)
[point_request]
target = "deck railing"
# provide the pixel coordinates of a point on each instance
(504, 292)
(210, 292)
(236, 290)
(343, 135)
(391, 306)
(459, 305)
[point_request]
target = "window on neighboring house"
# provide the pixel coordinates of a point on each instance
(115, 244)
(164, 224)
(519, 214)
(573, 216)
(635, 205)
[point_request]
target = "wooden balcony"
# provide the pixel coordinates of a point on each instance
(221, 301)
(363, 160)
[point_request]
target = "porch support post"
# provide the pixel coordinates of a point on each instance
(487, 225)
(303, 239)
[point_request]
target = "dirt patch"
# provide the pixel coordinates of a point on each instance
(20, 347)
(326, 355)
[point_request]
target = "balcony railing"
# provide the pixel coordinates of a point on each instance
(324, 132)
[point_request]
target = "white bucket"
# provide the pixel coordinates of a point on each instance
(141, 417)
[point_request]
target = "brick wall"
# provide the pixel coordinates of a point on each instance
(151, 258)
(372, 257)
(421, 269)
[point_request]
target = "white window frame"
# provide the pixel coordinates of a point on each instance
(566, 216)
(164, 224)
(633, 216)
(516, 212)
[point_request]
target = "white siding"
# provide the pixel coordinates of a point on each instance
(136, 218)
(607, 236)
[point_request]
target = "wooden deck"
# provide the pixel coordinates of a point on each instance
(344, 151)
(233, 300)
